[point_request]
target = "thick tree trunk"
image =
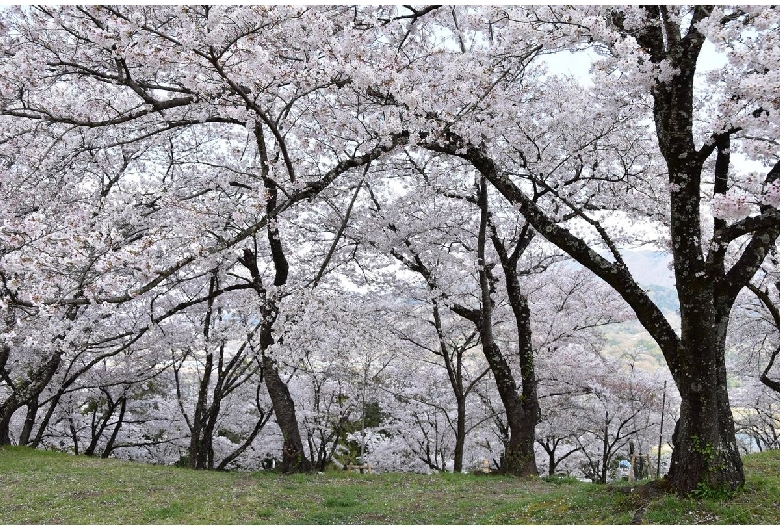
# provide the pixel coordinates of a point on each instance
(519, 457)
(293, 457)
(696, 359)
(6, 412)
(705, 456)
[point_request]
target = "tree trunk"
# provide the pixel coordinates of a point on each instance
(455, 375)
(605, 450)
(27, 392)
(74, 435)
(44, 424)
(97, 430)
(199, 439)
(460, 435)
(29, 421)
(705, 456)
(6, 412)
(293, 457)
(705, 452)
(519, 458)
(109, 448)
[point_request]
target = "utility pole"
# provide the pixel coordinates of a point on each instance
(661, 435)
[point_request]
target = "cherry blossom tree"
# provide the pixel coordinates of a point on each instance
(757, 416)
(763, 325)
(205, 139)
(143, 148)
(649, 62)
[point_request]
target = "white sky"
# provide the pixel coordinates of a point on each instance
(578, 64)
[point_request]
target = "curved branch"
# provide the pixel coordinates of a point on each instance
(614, 274)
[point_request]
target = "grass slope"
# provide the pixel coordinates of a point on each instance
(43, 487)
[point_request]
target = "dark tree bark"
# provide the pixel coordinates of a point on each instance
(522, 415)
(109, 448)
(204, 418)
(293, 456)
(27, 392)
(520, 456)
(705, 449)
(29, 421)
(605, 450)
(550, 446)
(522, 410)
(98, 425)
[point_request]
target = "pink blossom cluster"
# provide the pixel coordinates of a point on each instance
(732, 206)
(772, 194)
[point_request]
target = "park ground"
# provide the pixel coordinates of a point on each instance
(46, 487)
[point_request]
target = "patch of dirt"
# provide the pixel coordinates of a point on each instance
(643, 494)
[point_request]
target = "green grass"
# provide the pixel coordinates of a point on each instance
(42, 487)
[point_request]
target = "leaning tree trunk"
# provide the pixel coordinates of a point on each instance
(109, 448)
(29, 421)
(705, 453)
(27, 393)
(293, 457)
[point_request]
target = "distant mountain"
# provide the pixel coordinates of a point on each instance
(664, 297)
(650, 268)
(653, 271)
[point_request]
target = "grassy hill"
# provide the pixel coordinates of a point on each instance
(43, 487)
